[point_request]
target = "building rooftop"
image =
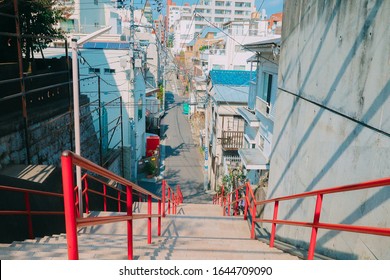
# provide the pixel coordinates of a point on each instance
(253, 159)
(232, 77)
(192, 42)
(208, 30)
(230, 94)
(107, 45)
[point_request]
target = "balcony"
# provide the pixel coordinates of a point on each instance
(232, 140)
(252, 95)
(204, 55)
(264, 108)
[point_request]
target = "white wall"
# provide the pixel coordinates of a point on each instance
(184, 32)
(112, 85)
(336, 55)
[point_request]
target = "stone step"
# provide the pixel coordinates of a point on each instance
(197, 232)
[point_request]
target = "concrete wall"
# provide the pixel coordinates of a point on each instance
(332, 121)
(48, 139)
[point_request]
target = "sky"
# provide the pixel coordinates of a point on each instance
(271, 6)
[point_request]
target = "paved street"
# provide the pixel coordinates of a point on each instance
(183, 161)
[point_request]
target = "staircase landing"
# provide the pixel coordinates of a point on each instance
(198, 232)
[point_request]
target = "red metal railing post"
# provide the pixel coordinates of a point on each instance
(86, 195)
(223, 203)
(228, 206)
(222, 195)
(77, 202)
(236, 206)
(29, 217)
(149, 219)
(253, 218)
(159, 218)
(275, 217)
(314, 229)
(129, 206)
(246, 201)
(69, 206)
(105, 198)
(176, 201)
(169, 200)
(163, 197)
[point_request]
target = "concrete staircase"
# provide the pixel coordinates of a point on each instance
(198, 232)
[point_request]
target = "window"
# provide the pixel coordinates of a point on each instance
(238, 12)
(219, 3)
(139, 108)
(239, 4)
(267, 89)
(109, 71)
(218, 67)
(94, 70)
(239, 67)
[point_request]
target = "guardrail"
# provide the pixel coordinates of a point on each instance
(251, 207)
(73, 219)
(28, 211)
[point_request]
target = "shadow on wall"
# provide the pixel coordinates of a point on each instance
(380, 197)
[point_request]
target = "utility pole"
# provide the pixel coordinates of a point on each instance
(131, 96)
(206, 146)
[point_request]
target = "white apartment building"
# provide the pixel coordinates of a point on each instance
(226, 52)
(221, 11)
(175, 12)
(91, 15)
(184, 30)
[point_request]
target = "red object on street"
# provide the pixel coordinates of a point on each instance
(152, 144)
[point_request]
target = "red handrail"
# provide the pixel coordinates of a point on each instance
(72, 220)
(169, 197)
(226, 206)
(28, 211)
(251, 205)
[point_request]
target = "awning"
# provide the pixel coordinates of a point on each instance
(253, 159)
(249, 117)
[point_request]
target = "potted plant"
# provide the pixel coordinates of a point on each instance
(149, 169)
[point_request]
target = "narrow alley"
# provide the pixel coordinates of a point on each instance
(182, 160)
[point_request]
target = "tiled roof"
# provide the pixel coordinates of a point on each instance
(231, 77)
(208, 30)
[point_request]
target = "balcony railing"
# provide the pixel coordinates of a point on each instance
(232, 140)
(264, 108)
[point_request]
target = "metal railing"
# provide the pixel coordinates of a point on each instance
(224, 199)
(28, 211)
(73, 219)
(232, 140)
